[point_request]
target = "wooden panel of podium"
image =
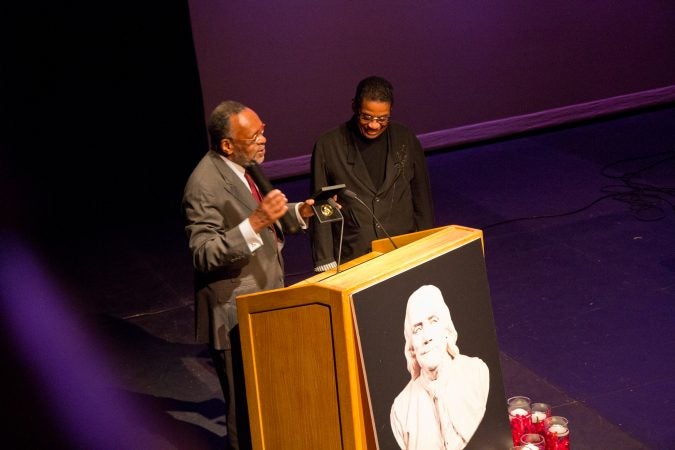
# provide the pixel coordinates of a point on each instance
(304, 374)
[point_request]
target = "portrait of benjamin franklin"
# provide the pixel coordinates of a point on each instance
(445, 399)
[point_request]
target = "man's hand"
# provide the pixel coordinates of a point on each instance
(273, 206)
(305, 208)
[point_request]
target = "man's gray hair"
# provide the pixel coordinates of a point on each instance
(219, 121)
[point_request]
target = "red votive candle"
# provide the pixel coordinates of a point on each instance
(533, 441)
(520, 417)
(540, 411)
(557, 433)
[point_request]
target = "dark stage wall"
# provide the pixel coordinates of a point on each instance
(103, 116)
(453, 62)
(102, 112)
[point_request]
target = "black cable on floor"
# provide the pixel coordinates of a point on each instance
(647, 202)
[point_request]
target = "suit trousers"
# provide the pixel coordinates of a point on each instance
(229, 367)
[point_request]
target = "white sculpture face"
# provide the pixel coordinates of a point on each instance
(429, 334)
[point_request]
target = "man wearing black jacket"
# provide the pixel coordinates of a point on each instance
(383, 163)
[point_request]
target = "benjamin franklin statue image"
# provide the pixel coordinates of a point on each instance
(444, 401)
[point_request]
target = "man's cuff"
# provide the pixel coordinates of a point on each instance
(301, 220)
(253, 239)
(324, 267)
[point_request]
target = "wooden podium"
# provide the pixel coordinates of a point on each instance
(305, 379)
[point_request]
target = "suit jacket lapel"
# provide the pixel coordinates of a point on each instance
(358, 166)
(396, 158)
(240, 193)
(233, 183)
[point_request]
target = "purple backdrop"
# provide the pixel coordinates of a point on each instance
(452, 63)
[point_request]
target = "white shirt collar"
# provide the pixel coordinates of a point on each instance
(239, 170)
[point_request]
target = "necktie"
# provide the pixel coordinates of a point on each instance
(258, 197)
(254, 189)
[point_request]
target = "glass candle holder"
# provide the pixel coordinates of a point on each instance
(557, 433)
(533, 441)
(540, 411)
(520, 417)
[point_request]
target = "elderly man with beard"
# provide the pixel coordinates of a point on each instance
(235, 238)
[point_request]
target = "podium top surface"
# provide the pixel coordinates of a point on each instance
(385, 261)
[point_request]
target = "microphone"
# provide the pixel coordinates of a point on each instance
(351, 194)
(288, 224)
(332, 203)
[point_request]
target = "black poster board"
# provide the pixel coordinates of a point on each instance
(379, 312)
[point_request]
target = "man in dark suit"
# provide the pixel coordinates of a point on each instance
(380, 161)
(236, 241)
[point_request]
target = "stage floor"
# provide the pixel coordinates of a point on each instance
(580, 257)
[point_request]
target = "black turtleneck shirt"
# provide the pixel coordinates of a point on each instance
(374, 153)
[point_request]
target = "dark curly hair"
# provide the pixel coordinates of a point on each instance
(219, 122)
(374, 88)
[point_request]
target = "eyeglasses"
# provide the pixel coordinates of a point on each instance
(367, 118)
(253, 140)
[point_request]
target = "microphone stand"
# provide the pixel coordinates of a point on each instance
(332, 203)
(351, 194)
